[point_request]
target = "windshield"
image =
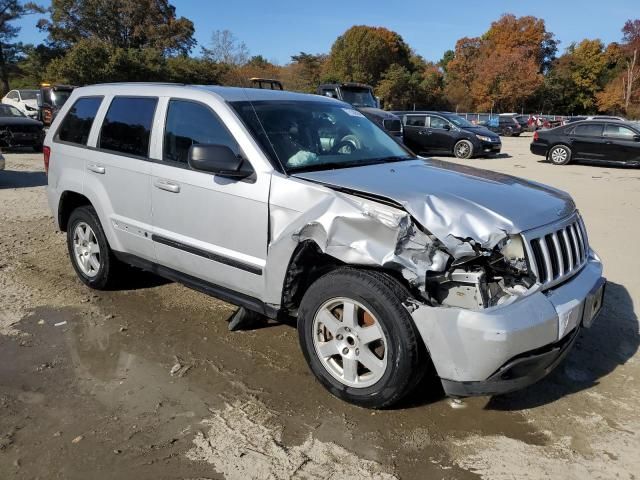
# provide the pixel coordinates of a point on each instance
(28, 94)
(459, 121)
(306, 136)
(359, 97)
(10, 111)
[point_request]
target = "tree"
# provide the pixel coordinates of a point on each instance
(364, 54)
(10, 11)
(226, 48)
(125, 24)
(304, 72)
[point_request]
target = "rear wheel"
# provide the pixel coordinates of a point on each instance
(91, 256)
(358, 338)
(463, 149)
(560, 155)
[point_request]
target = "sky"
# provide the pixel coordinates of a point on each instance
(277, 29)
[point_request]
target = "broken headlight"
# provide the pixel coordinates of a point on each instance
(510, 256)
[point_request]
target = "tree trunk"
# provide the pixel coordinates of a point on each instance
(630, 81)
(4, 74)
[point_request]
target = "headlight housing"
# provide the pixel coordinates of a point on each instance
(29, 108)
(513, 254)
(483, 138)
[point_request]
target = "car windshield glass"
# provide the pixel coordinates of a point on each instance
(58, 97)
(459, 121)
(28, 94)
(10, 111)
(308, 135)
(359, 97)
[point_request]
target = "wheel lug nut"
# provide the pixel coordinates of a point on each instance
(347, 329)
(357, 351)
(345, 351)
(339, 337)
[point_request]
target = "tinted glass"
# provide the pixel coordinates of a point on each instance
(190, 123)
(589, 130)
(309, 135)
(13, 95)
(76, 125)
(359, 97)
(437, 122)
(127, 126)
(619, 132)
(415, 121)
(10, 111)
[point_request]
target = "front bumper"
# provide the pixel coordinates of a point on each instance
(507, 347)
(490, 148)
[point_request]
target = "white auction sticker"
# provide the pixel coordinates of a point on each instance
(353, 113)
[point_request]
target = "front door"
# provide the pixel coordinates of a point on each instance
(206, 226)
(440, 134)
(587, 142)
(621, 143)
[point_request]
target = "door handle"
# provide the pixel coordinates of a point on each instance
(167, 186)
(96, 169)
(424, 132)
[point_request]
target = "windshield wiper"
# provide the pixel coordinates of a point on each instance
(354, 163)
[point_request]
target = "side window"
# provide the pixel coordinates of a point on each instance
(77, 124)
(618, 131)
(13, 95)
(437, 122)
(189, 123)
(589, 130)
(415, 120)
(330, 92)
(127, 126)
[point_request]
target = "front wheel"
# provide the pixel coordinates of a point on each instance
(358, 338)
(463, 149)
(560, 155)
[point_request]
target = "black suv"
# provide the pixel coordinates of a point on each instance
(504, 125)
(446, 132)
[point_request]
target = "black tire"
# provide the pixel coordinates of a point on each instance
(559, 155)
(109, 269)
(508, 132)
(463, 149)
(383, 296)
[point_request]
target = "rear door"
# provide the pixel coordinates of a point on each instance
(206, 226)
(415, 132)
(587, 142)
(118, 173)
(621, 143)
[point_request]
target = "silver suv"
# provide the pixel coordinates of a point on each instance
(298, 205)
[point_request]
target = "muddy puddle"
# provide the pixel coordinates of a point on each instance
(172, 390)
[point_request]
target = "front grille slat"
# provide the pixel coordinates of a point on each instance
(570, 251)
(558, 251)
(546, 258)
(556, 245)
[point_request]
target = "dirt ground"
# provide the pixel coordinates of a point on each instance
(147, 382)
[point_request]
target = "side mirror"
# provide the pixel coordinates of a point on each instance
(219, 160)
(446, 126)
(636, 138)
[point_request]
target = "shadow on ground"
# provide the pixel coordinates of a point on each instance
(20, 179)
(610, 342)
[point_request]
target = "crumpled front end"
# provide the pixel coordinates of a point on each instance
(478, 298)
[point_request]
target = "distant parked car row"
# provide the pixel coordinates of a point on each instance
(594, 141)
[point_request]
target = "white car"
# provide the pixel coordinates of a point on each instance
(24, 100)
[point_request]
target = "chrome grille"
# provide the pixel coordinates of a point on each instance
(558, 251)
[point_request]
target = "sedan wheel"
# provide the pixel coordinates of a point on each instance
(463, 149)
(560, 155)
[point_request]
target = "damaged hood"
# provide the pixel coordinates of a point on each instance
(455, 202)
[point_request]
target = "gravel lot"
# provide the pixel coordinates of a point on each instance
(147, 382)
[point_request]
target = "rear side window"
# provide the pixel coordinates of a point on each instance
(190, 123)
(415, 120)
(589, 130)
(437, 122)
(127, 126)
(77, 123)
